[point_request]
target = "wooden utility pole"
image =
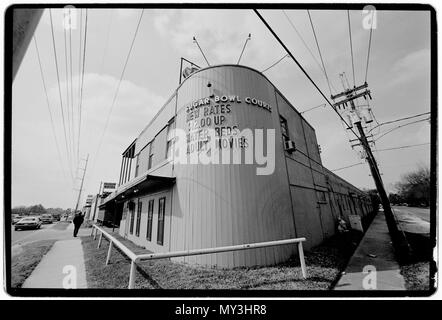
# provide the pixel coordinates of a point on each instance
(349, 95)
(81, 186)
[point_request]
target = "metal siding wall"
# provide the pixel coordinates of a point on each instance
(308, 222)
(158, 122)
(312, 144)
(141, 239)
(218, 205)
(143, 160)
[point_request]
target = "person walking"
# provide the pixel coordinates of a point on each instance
(78, 220)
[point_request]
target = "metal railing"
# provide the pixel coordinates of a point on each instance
(152, 256)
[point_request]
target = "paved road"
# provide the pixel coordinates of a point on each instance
(414, 220)
(22, 235)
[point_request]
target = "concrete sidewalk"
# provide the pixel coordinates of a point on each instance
(62, 267)
(375, 252)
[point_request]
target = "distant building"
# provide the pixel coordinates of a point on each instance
(168, 206)
(97, 215)
(87, 207)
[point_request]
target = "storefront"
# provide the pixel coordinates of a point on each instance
(250, 171)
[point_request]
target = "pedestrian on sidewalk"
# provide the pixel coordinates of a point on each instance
(78, 220)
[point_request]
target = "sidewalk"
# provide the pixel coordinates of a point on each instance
(374, 250)
(62, 267)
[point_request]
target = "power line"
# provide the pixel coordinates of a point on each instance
(49, 106)
(82, 81)
(59, 88)
(321, 105)
(404, 147)
(274, 64)
(306, 46)
(319, 50)
(369, 46)
(68, 108)
(303, 70)
(403, 125)
(351, 48)
(79, 82)
(350, 166)
(72, 83)
(397, 120)
(119, 83)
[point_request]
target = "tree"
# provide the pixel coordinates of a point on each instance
(395, 198)
(414, 187)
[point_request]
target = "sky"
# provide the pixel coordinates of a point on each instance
(398, 77)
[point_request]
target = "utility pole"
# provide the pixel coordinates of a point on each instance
(81, 186)
(347, 99)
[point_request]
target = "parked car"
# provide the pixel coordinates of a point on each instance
(16, 219)
(46, 218)
(28, 223)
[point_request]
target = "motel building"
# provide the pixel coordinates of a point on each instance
(269, 183)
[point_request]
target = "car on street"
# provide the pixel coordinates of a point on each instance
(46, 218)
(28, 223)
(16, 219)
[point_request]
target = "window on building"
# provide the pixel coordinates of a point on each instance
(137, 229)
(321, 197)
(132, 218)
(126, 164)
(170, 138)
(284, 128)
(161, 212)
(149, 165)
(137, 167)
(149, 220)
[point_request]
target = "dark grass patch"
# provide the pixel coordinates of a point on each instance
(25, 262)
(416, 271)
(417, 275)
(324, 264)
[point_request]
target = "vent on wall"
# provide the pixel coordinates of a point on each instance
(289, 146)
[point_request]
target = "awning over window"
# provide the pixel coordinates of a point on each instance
(138, 185)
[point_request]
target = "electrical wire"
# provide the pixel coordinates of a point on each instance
(346, 167)
(118, 86)
(395, 128)
(82, 81)
(404, 147)
(307, 47)
(303, 70)
(79, 82)
(319, 50)
(397, 120)
(369, 46)
(72, 84)
(274, 64)
(68, 104)
(59, 89)
(49, 106)
(351, 49)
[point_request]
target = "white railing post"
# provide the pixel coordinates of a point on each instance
(99, 240)
(301, 259)
(111, 243)
(132, 275)
(92, 231)
(95, 233)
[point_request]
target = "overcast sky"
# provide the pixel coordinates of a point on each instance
(399, 78)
